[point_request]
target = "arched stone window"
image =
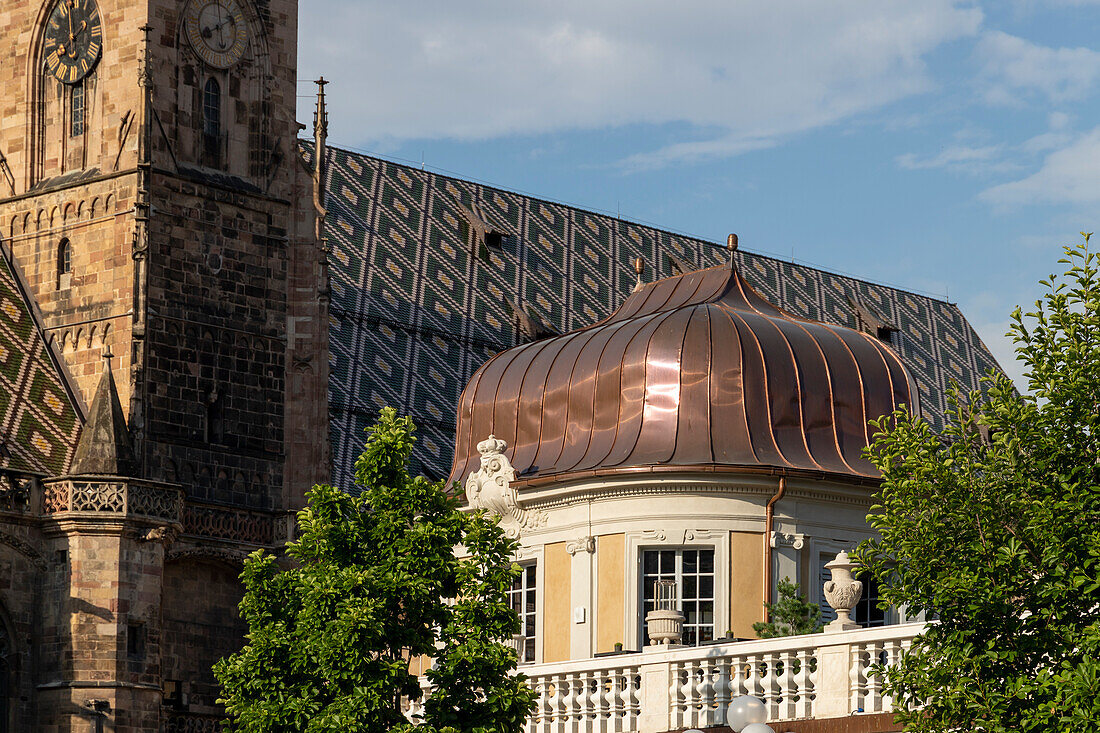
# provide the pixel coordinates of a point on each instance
(212, 122)
(64, 264)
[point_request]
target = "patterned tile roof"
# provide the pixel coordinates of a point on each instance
(39, 418)
(421, 296)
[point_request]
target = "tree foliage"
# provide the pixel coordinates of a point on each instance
(993, 528)
(330, 638)
(790, 615)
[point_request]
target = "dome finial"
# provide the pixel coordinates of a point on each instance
(639, 268)
(731, 244)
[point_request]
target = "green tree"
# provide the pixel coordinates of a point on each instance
(993, 528)
(791, 615)
(374, 581)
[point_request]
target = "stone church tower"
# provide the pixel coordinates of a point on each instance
(159, 221)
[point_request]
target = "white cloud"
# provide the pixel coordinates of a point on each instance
(733, 76)
(1013, 67)
(957, 157)
(1068, 175)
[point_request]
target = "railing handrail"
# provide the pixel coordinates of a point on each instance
(732, 649)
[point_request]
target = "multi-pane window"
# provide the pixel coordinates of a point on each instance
(867, 612)
(522, 598)
(77, 117)
(212, 108)
(693, 571)
(212, 122)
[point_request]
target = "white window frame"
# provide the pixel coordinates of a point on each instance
(534, 556)
(674, 539)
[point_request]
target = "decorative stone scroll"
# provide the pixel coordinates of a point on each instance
(581, 544)
(490, 488)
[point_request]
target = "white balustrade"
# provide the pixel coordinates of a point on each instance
(667, 688)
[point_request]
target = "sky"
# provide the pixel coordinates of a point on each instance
(946, 147)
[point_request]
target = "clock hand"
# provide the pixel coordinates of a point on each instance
(69, 17)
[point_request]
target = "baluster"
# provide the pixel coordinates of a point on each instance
(605, 683)
(614, 700)
(804, 685)
(676, 695)
(561, 704)
(721, 691)
(774, 669)
(541, 686)
(856, 679)
(692, 689)
(874, 680)
(632, 683)
(708, 693)
(737, 681)
(893, 656)
(784, 678)
(753, 685)
(580, 701)
(594, 701)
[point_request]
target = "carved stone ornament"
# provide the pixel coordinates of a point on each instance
(164, 535)
(581, 544)
(786, 539)
(490, 487)
(842, 592)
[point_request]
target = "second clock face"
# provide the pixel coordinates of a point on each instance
(217, 31)
(73, 40)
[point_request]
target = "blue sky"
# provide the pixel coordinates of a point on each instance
(947, 147)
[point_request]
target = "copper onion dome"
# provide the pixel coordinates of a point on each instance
(696, 371)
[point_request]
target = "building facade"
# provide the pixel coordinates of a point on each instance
(196, 305)
(161, 252)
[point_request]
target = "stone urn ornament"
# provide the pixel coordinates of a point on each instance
(842, 592)
(665, 624)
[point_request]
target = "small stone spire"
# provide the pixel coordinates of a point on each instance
(639, 268)
(105, 448)
(320, 159)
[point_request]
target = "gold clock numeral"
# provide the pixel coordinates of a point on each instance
(93, 49)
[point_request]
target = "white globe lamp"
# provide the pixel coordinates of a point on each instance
(757, 728)
(746, 711)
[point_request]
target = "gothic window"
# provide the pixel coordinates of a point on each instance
(77, 116)
(522, 597)
(212, 121)
(64, 264)
(692, 569)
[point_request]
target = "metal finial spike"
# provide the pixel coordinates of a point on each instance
(107, 355)
(731, 243)
(639, 268)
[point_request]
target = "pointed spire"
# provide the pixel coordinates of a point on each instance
(320, 161)
(105, 448)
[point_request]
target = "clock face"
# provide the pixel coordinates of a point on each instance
(217, 31)
(73, 40)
